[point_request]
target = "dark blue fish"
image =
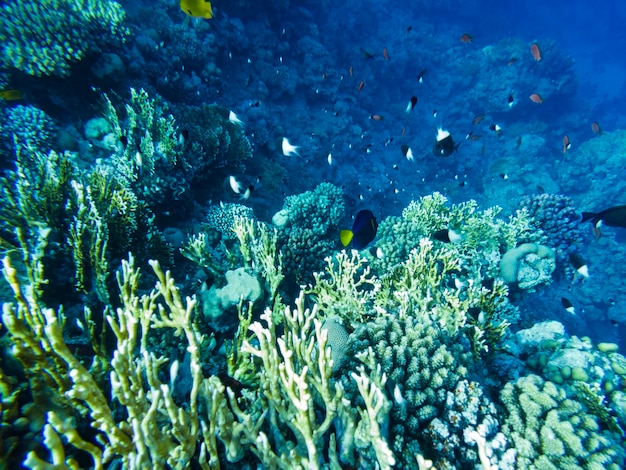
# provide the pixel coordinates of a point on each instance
(613, 217)
(363, 230)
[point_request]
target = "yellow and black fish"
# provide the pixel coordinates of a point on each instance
(363, 231)
(197, 8)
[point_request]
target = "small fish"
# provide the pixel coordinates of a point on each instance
(360, 87)
(385, 54)
(444, 144)
(478, 119)
(351, 70)
(11, 95)
(376, 252)
(534, 50)
(363, 230)
(536, 98)
(366, 54)
(420, 76)
(568, 306)
(504, 176)
(511, 101)
(566, 144)
(408, 30)
(376, 117)
(232, 117)
(288, 149)
(518, 143)
(330, 158)
(466, 38)
(595, 127)
(411, 105)
(434, 113)
(407, 152)
(197, 8)
(447, 236)
(496, 128)
(403, 133)
(612, 217)
(579, 264)
(511, 61)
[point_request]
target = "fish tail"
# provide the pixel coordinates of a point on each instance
(585, 216)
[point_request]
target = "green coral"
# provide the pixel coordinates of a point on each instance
(44, 38)
(551, 429)
(216, 142)
(27, 127)
(151, 159)
(482, 232)
(311, 231)
(423, 361)
(346, 288)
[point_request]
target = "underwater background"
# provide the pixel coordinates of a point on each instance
(312, 234)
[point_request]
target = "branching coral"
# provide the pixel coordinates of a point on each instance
(45, 38)
(293, 427)
(551, 430)
(150, 158)
(346, 288)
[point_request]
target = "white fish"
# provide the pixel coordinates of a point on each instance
(288, 149)
(232, 117)
(235, 185)
(330, 158)
(409, 155)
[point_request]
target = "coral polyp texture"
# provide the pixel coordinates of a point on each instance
(44, 38)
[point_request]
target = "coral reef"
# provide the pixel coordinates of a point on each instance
(551, 429)
(44, 39)
(310, 231)
(28, 128)
(558, 219)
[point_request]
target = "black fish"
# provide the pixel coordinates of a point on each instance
(420, 76)
(567, 305)
(444, 144)
(363, 230)
(446, 235)
(613, 217)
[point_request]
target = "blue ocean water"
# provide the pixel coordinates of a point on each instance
(530, 94)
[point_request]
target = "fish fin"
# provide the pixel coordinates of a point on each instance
(346, 237)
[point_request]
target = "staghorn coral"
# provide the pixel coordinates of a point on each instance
(45, 38)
